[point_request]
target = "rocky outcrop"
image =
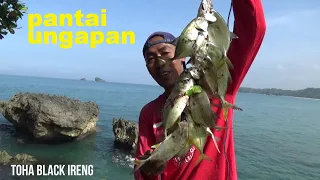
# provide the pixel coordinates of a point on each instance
(51, 117)
(125, 133)
(99, 80)
(83, 79)
(2, 105)
(6, 159)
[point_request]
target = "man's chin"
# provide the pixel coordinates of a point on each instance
(167, 83)
(168, 86)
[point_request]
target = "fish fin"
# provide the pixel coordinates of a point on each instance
(202, 157)
(229, 63)
(213, 138)
(227, 105)
(225, 113)
(233, 36)
(155, 146)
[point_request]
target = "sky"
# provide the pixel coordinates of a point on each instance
(289, 57)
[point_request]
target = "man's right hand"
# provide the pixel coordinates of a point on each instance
(152, 168)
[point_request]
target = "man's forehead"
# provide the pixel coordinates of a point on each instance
(159, 47)
(158, 40)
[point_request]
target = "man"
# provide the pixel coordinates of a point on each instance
(250, 26)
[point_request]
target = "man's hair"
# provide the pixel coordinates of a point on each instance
(167, 38)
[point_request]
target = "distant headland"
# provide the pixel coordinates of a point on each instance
(305, 93)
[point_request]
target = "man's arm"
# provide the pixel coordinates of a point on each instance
(250, 27)
(145, 140)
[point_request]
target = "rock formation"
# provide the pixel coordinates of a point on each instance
(126, 133)
(99, 80)
(50, 117)
(6, 159)
(2, 104)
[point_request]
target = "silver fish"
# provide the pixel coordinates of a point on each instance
(168, 148)
(189, 38)
(178, 99)
(224, 78)
(198, 134)
(200, 110)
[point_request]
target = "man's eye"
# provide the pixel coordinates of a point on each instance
(150, 60)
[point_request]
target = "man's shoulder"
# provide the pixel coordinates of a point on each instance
(153, 105)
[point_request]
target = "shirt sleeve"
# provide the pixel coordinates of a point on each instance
(250, 27)
(145, 140)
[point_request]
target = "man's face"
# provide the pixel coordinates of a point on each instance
(165, 73)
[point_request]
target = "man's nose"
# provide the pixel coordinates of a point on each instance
(160, 62)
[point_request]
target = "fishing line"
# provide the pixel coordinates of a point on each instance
(226, 136)
(225, 150)
(229, 13)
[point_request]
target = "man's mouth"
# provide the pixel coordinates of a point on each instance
(164, 73)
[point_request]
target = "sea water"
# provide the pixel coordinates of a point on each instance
(276, 138)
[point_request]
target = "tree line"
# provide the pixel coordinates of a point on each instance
(306, 93)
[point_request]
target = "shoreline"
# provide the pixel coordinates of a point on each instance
(280, 95)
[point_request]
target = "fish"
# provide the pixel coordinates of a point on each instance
(178, 99)
(220, 36)
(224, 78)
(217, 77)
(198, 136)
(183, 152)
(205, 10)
(200, 110)
(207, 70)
(169, 147)
(191, 36)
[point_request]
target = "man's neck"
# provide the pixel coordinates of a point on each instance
(167, 92)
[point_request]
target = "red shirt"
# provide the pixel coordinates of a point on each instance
(250, 26)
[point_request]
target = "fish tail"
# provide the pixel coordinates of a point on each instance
(155, 146)
(202, 157)
(213, 138)
(226, 105)
(233, 35)
(229, 63)
(229, 105)
(225, 113)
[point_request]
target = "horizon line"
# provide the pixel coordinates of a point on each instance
(117, 82)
